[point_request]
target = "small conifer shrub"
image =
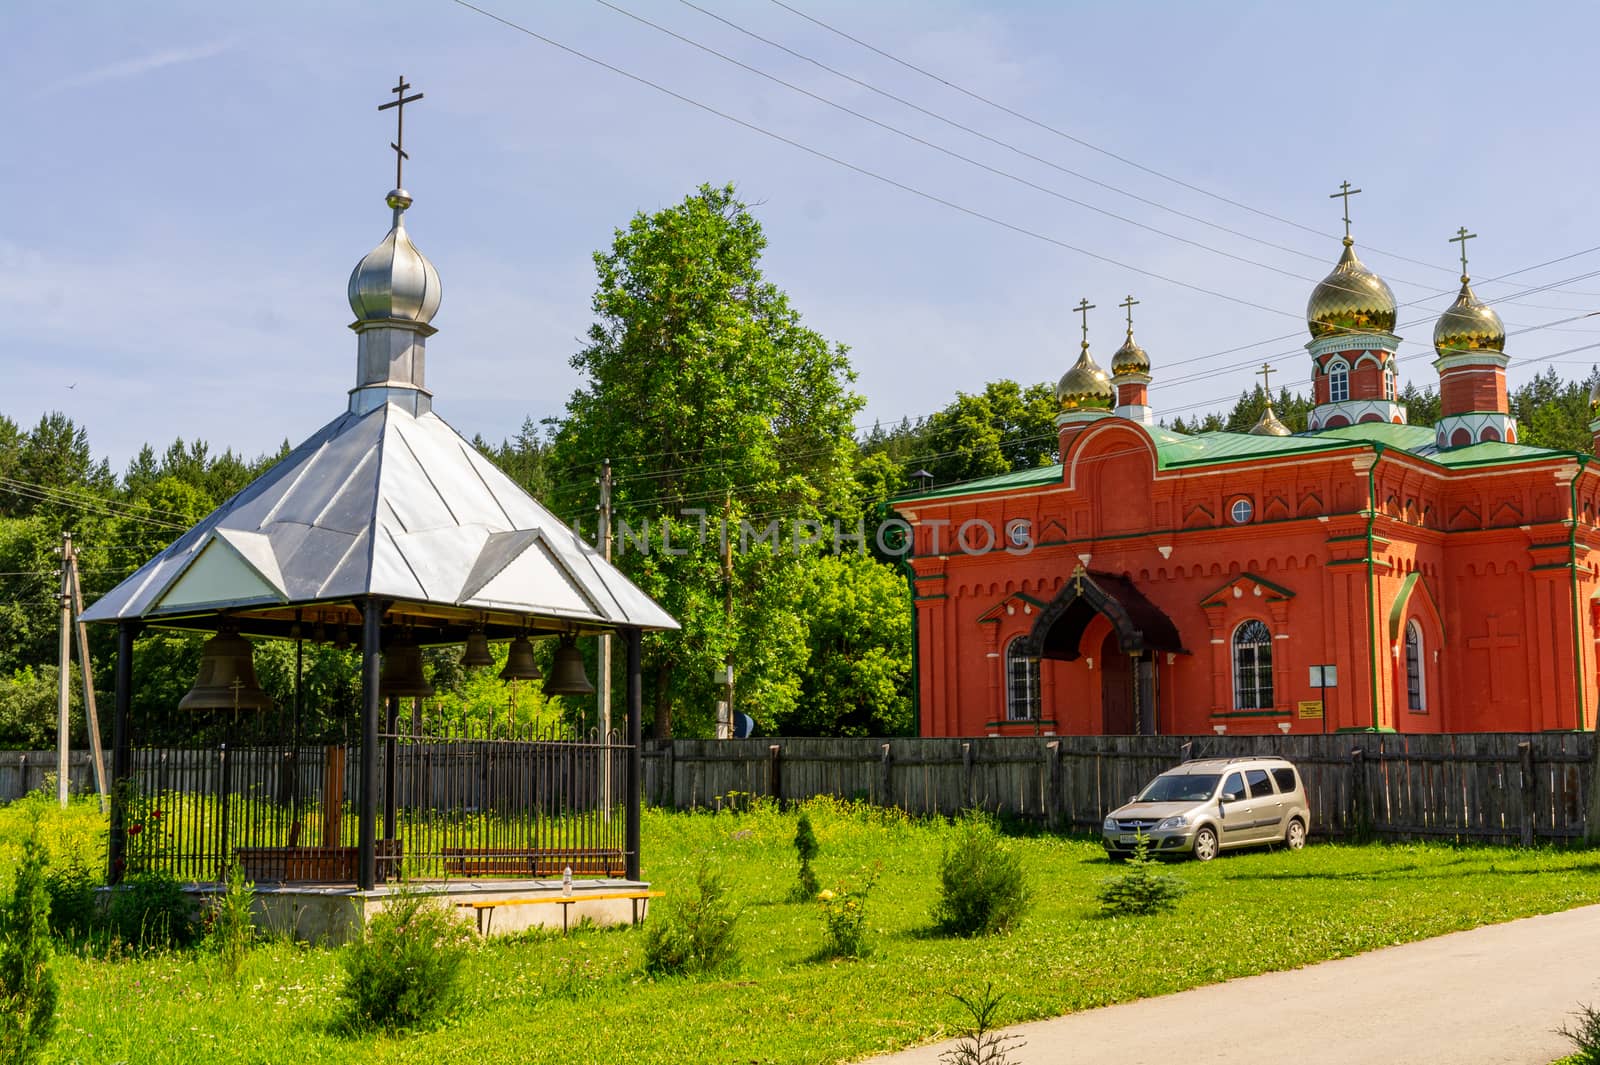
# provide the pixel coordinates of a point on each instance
(805, 846)
(1585, 1035)
(983, 888)
(404, 973)
(697, 934)
(27, 982)
(1140, 890)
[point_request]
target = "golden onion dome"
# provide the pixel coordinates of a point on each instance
(1594, 398)
(1469, 325)
(1130, 358)
(1350, 299)
(1269, 425)
(1085, 386)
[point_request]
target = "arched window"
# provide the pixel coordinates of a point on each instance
(1338, 381)
(1252, 666)
(1389, 392)
(1022, 684)
(1416, 682)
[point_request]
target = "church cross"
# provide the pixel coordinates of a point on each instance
(1344, 193)
(1077, 580)
(1083, 308)
(1461, 237)
(1495, 641)
(398, 144)
(1130, 303)
(1266, 373)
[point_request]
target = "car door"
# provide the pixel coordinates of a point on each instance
(1238, 812)
(1268, 804)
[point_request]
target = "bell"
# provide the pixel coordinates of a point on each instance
(477, 651)
(402, 670)
(519, 661)
(566, 671)
(227, 678)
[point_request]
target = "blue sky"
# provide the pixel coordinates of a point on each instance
(184, 189)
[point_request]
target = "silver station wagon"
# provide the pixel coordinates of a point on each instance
(1211, 805)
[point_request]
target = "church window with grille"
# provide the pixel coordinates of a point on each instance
(1252, 666)
(1416, 683)
(1022, 683)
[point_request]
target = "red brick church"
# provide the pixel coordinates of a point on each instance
(1368, 574)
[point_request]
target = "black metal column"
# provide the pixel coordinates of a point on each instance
(391, 751)
(635, 758)
(371, 707)
(121, 752)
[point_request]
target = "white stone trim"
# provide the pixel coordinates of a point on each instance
(1137, 412)
(1474, 422)
(1477, 360)
(1354, 410)
(1353, 342)
(1081, 417)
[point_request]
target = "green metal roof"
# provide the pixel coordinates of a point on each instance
(1205, 448)
(1030, 478)
(1389, 434)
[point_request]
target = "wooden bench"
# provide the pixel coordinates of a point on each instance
(545, 862)
(484, 911)
(327, 865)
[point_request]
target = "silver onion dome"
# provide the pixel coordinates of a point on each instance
(395, 281)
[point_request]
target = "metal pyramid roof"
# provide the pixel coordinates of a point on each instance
(386, 503)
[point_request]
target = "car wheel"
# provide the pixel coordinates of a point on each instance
(1116, 857)
(1205, 844)
(1295, 837)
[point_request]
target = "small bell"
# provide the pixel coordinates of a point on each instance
(477, 653)
(402, 670)
(567, 676)
(519, 661)
(227, 679)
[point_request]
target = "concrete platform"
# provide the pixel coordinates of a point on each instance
(332, 913)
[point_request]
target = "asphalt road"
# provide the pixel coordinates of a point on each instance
(1489, 996)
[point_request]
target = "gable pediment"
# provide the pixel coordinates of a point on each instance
(1248, 585)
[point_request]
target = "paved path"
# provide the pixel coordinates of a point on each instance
(1489, 996)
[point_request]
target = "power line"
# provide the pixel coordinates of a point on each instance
(866, 172)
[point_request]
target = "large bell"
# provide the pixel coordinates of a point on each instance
(477, 653)
(402, 670)
(567, 676)
(519, 661)
(227, 678)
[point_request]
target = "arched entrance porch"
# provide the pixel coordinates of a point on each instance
(1106, 619)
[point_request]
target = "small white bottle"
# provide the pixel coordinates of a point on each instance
(566, 881)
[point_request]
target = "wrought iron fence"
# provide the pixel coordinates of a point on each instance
(529, 803)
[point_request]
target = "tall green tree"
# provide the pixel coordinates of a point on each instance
(716, 405)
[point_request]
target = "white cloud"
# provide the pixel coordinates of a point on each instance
(132, 68)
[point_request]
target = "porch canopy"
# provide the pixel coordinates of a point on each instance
(386, 519)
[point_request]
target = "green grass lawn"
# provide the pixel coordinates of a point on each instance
(585, 997)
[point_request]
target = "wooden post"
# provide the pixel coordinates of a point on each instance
(64, 678)
(1054, 801)
(1529, 790)
(775, 773)
(332, 793)
(1360, 809)
(966, 776)
(91, 716)
(885, 776)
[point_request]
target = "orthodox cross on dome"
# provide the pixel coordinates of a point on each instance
(1129, 304)
(1344, 193)
(1461, 237)
(398, 144)
(1083, 308)
(1077, 580)
(1265, 373)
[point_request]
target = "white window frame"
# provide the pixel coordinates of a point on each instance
(1390, 389)
(1338, 381)
(1252, 665)
(1022, 671)
(1249, 511)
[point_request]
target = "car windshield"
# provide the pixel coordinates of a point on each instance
(1180, 787)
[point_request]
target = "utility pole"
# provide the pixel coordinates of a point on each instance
(603, 685)
(90, 715)
(725, 728)
(64, 675)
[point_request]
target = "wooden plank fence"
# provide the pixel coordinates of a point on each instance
(1515, 788)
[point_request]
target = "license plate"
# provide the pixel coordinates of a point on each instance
(1128, 839)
